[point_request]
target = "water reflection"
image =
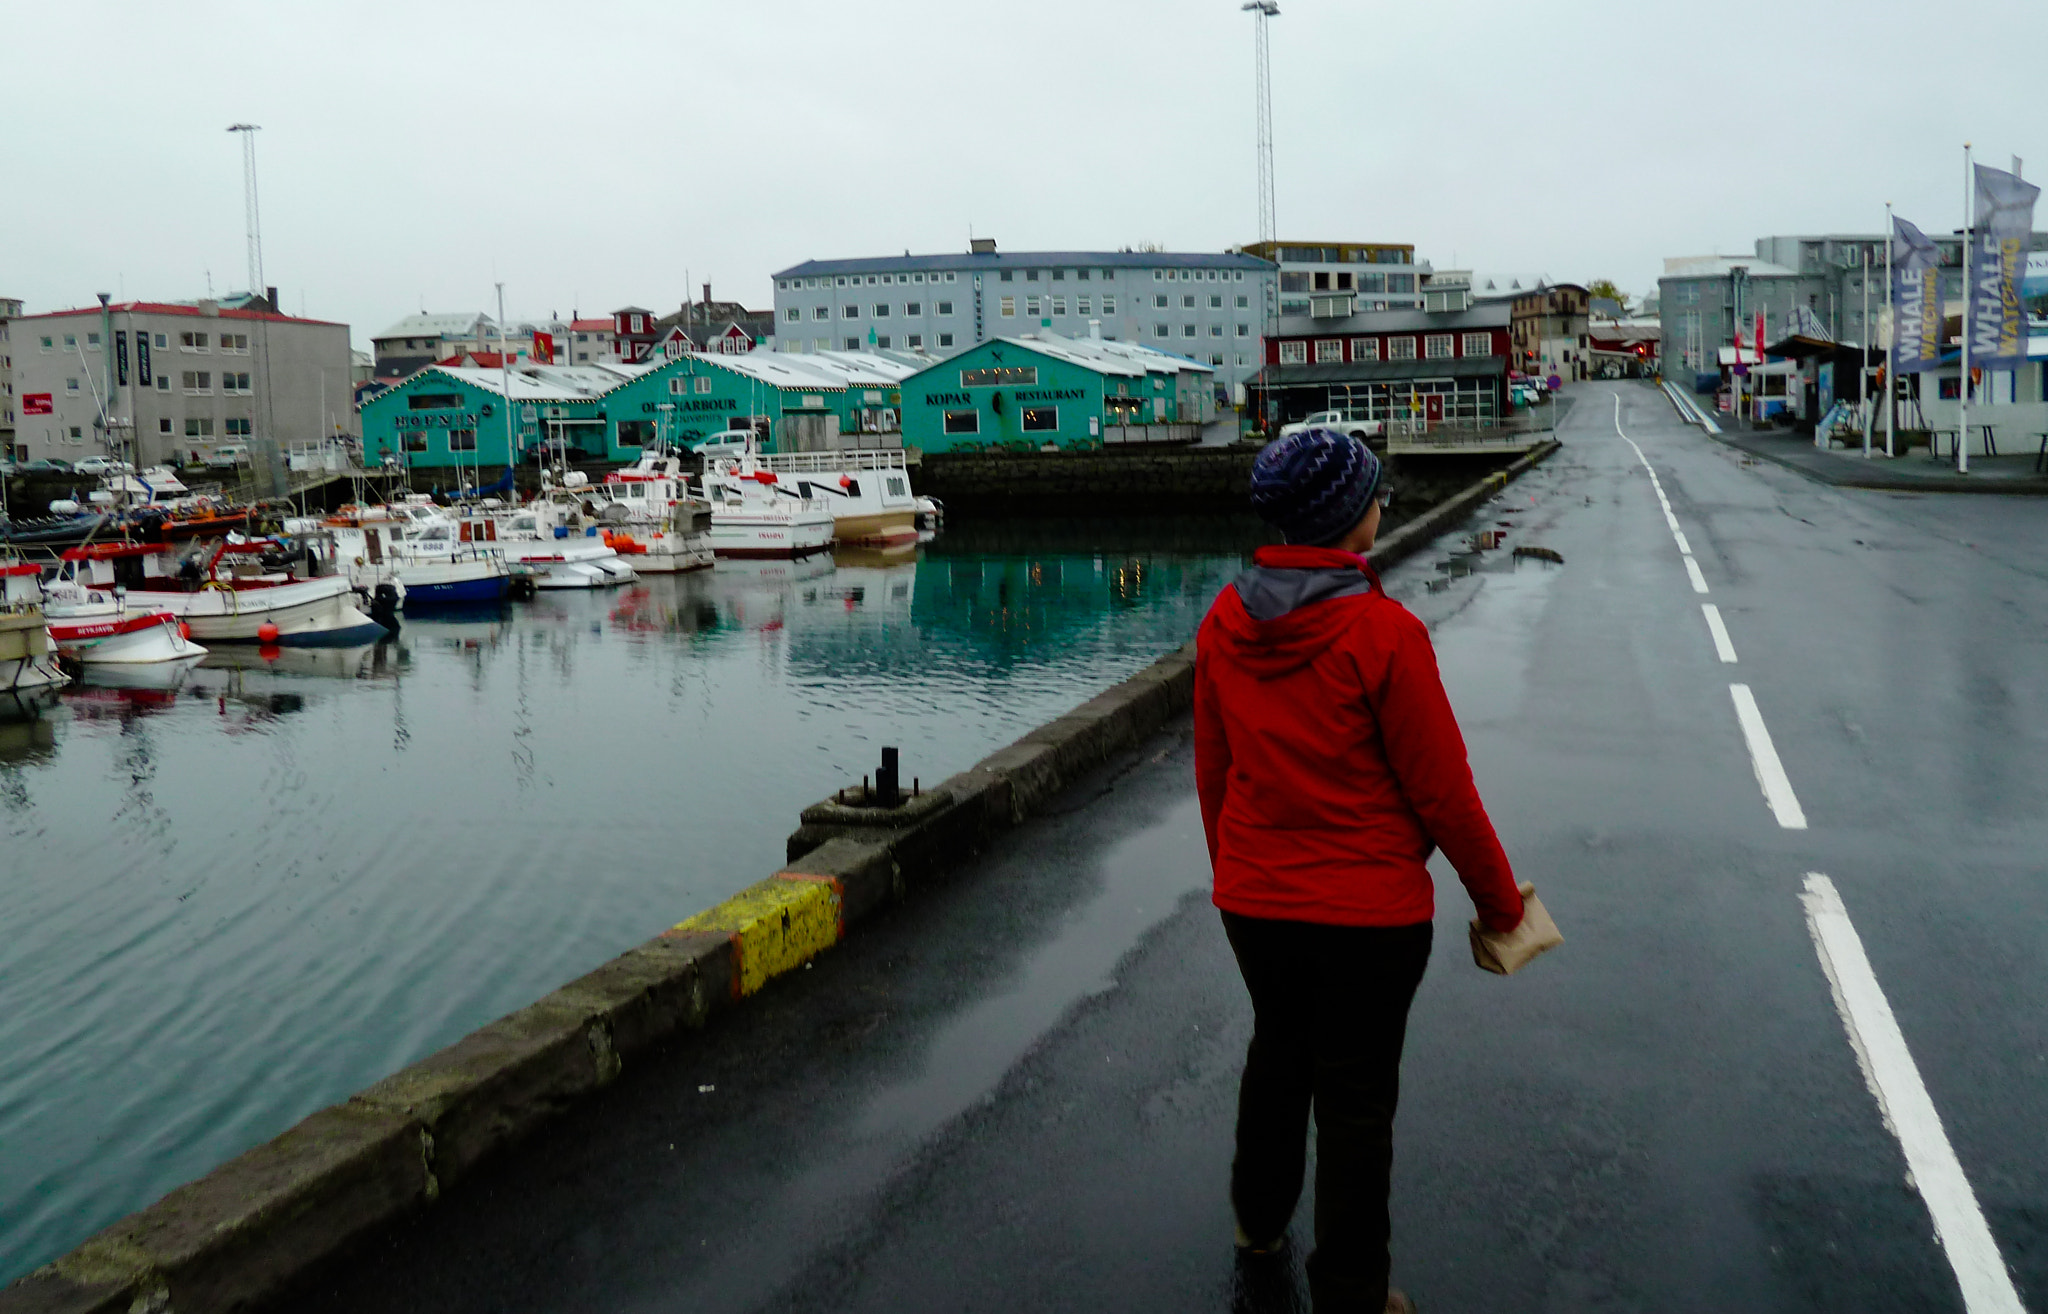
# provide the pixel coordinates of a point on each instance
(240, 889)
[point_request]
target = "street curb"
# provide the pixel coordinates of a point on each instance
(2037, 487)
(241, 1234)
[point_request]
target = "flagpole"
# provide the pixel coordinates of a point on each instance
(1863, 361)
(1963, 377)
(1891, 338)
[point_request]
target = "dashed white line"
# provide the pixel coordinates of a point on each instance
(1699, 581)
(1723, 649)
(1763, 757)
(1908, 1109)
(1684, 547)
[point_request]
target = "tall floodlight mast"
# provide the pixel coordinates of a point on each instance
(251, 221)
(1265, 9)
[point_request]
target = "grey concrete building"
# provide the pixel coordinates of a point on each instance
(1332, 280)
(185, 378)
(10, 309)
(1208, 308)
(417, 341)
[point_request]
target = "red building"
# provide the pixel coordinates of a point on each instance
(1423, 368)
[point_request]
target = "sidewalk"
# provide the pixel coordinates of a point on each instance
(1913, 472)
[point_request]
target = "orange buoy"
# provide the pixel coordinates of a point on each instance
(184, 631)
(266, 632)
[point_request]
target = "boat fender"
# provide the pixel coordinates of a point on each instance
(267, 632)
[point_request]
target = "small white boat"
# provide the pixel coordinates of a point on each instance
(647, 515)
(868, 492)
(235, 590)
(418, 550)
(553, 541)
(756, 512)
(96, 626)
(28, 658)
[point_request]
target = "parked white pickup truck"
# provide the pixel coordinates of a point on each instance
(1348, 422)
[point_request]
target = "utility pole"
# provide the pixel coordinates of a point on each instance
(251, 220)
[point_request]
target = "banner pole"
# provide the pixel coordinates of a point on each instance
(1963, 375)
(1891, 338)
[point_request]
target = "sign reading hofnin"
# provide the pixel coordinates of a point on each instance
(1916, 304)
(1998, 259)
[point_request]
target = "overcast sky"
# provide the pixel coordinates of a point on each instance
(589, 154)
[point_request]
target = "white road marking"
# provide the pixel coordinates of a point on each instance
(1684, 547)
(1699, 581)
(1763, 757)
(1722, 647)
(1908, 1110)
(1670, 519)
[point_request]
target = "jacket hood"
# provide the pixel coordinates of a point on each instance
(1278, 627)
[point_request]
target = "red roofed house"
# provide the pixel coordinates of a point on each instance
(160, 381)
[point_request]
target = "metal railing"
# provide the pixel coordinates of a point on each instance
(1117, 435)
(890, 458)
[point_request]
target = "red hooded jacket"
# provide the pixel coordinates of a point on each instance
(1326, 754)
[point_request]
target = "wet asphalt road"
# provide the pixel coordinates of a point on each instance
(1016, 1092)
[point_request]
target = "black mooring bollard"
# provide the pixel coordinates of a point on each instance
(887, 794)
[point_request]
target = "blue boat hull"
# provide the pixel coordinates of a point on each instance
(490, 589)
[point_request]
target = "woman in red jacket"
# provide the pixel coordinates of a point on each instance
(1329, 766)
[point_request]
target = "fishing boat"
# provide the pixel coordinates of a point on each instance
(96, 626)
(420, 551)
(236, 590)
(868, 492)
(756, 512)
(28, 658)
(647, 514)
(550, 537)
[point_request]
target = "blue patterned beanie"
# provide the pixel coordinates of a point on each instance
(1313, 486)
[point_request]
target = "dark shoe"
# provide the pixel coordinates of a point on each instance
(1266, 1280)
(1250, 1249)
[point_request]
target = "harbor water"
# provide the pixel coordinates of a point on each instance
(236, 893)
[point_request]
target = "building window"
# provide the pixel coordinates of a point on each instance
(949, 278)
(1294, 353)
(1365, 348)
(238, 382)
(1244, 330)
(1243, 360)
(1329, 351)
(192, 342)
(945, 339)
(1161, 331)
(882, 341)
(1400, 348)
(1108, 304)
(1187, 330)
(1216, 302)
(1187, 303)
(963, 421)
(842, 282)
(236, 428)
(92, 339)
(1478, 344)
(782, 284)
(1031, 306)
(464, 440)
(1081, 275)
(235, 342)
(887, 279)
(1243, 301)
(1081, 305)
(702, 383)
(1215, 330)
(47, 344)
(163, 383)
(415, 441)
(77, 434)
(198, 381)
(70, 341)
(850, 312)
(917, 278)
(881, 310)
(1006, 276)
(163, 341)
(1059, 275)
(914, 341)
(822, 312)
(198, 427)
(1059, 305)
(1009, 308)
(1041, 419)
(792, 314)
(1159, 301)
(163, 424)
(71, 385)
(853, 344)
(1216, 359)
(1437, 346)
(945, 307)
(821, 344)
(913, 307)
(1295, 282)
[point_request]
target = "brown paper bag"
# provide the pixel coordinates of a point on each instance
(1509, 953)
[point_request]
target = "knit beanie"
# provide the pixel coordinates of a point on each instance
(1313, 486)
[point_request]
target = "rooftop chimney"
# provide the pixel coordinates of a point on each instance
(270, 295)
(981, 246)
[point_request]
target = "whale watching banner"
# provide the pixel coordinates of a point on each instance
(1998, 263)
(1916, 302)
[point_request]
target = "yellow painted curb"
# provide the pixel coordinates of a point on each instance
(775, 926)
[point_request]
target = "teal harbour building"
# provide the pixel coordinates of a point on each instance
(1045, 391)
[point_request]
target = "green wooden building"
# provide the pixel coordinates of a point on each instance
(1029, 393)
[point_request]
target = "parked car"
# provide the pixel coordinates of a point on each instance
(50, 465)
(730, 443)
(1349, 422)
(227, 456)
(102, 465)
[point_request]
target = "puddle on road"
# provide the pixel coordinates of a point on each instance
(1484, 655)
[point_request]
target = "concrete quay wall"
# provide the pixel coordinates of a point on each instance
(235, 1238)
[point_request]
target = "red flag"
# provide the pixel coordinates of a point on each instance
(1759, 337)
(543, 348)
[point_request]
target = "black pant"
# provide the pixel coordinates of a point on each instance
(1330, 1005)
